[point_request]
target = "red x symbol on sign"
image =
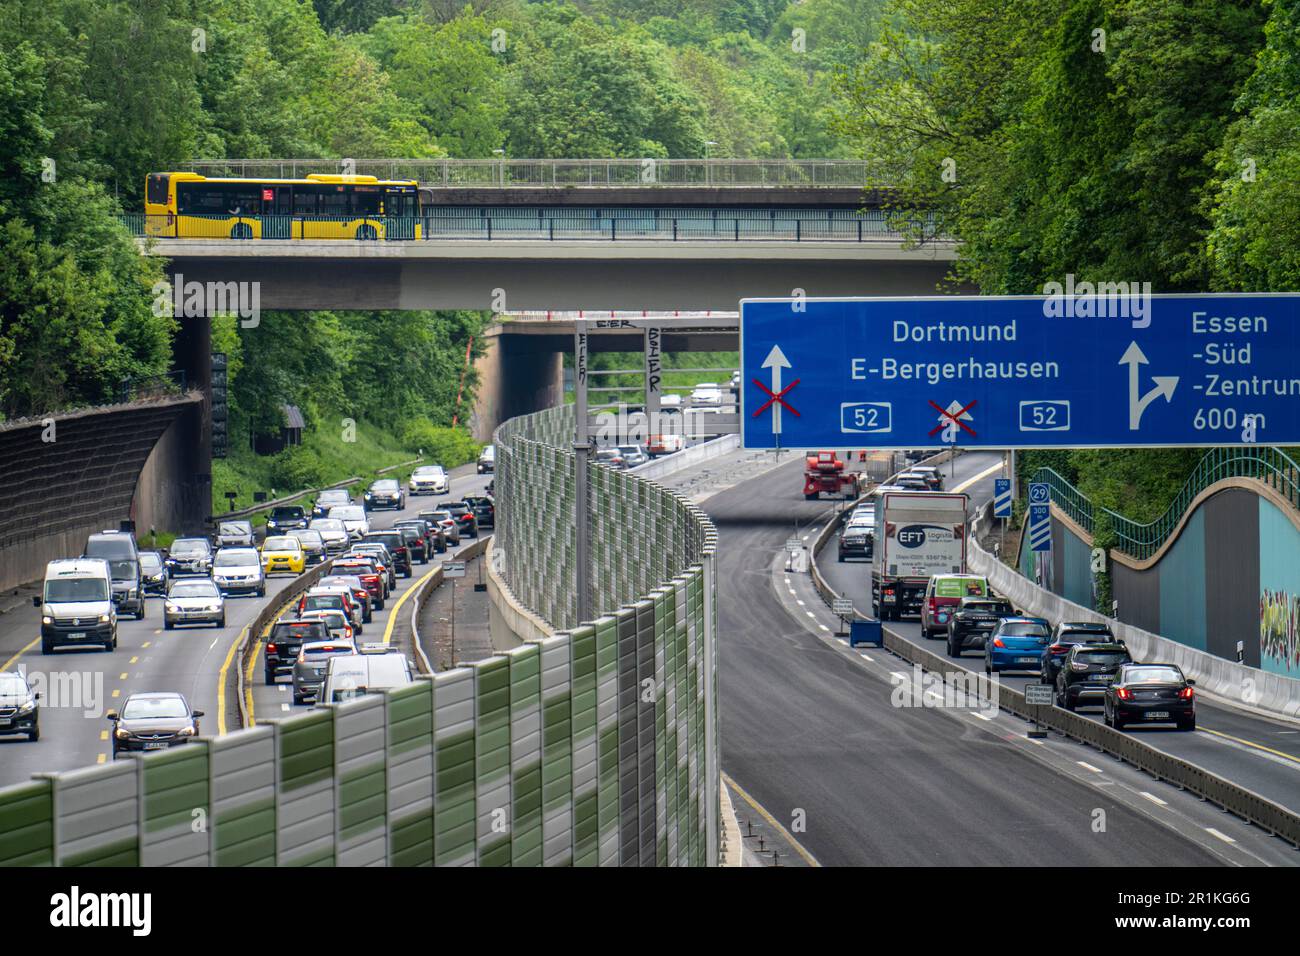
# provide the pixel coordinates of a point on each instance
(776, 397)
(954, 417)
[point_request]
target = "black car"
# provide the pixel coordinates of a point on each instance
(153, 721)
(189, 556)
(153, 572)
(118, 548)
(20, 709)
(417, 545)
(395, 542)
(464, 515)
(286, 518)
(973, 620)
(1087, 671)
(328, 499)
(1149, 694)
(424, 533)
(284, 642)
(384, 493)
(1066, 635)
(435, 539)
(484, 510)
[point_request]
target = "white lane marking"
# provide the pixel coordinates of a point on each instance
(214, 643)
(1222, 836)
(869, 660)
(1088, 766)
(811, 615)
(284, 707)
(824, 628)
(842, 641)
(800, 603)
(980, 714)
(1153, 798)
(970, 481)
(898, 674)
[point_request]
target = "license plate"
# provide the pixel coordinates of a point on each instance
(76, 635)
(155, 745)
(5, 721)
(1026, 660)
(1157, 715)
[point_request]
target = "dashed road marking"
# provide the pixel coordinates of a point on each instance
(122, 676)
(102, 758)
(869, 660)
(103, 735)
(1088, 766)
(133, 660)
(117, 693)
(1222, 836)
(1153, 798)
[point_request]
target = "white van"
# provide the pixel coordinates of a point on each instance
(374, 668)
(76, 605)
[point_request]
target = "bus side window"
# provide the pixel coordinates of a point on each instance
(304, 201)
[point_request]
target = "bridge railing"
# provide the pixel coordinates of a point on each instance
(541, 173)
(872, 225)
(1268, 464)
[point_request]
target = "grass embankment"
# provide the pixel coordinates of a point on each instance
(330, 453)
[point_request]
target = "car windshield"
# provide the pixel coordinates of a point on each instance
(338, 496)
(350, 581)
(441, 515)
(1153, 675)
(304, 630)
(282, 543)
(386, 484)
(144, 708)
(348, 512)
(429, 471)
(309, 536)
(1023, 629)
(11, 685)
(1085, 637)
(325, 650)
(235, 527)
(111, 547)
(234, 558)
(1101, 657)
(280, 514)
(73, 590)
(328, 524)
(322, 602)
(150, 561)
(190, 589)
(189, 546)
(122, 570)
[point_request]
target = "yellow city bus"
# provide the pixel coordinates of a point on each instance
(321, 206)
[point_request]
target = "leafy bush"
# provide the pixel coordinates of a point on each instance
(448, 447)
(296, 468)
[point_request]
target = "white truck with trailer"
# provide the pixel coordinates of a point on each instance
(918, 534)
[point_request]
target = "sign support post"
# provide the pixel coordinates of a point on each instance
(581, 450)
(1036, 695)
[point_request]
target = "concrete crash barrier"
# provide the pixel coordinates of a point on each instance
(1234, 798)
(1235, 683)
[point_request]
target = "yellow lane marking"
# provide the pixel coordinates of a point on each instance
(771, 821)
(147, 643)
(103, 758)
(983, 474)
(103, 735)
(122, 676)
(1252, 744)
(14, 660)
(133, 660)
(257, 653)
(117, 693)
(221, 682)
(392, 615)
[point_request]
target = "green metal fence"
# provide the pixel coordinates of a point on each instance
(1270, 465)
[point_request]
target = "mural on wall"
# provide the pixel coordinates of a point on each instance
(1279, 622)
(1279, 592)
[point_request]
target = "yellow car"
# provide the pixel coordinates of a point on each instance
(281, 554)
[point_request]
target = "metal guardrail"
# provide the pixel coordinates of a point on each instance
(1232, 797)
(648, 173)
(287, 499)
(872, 225)
(1268, 464)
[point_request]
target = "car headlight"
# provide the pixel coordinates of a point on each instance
(185, 732)
(27, 708)
(172, 607)
(103, 619)
(47, 620)
(121, 734)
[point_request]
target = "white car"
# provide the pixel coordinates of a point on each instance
(706, 393)
(354, 520)
(430, 480)
(334, 533)
(239, 569)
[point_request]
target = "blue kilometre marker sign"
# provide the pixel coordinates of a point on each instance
(1021, 371)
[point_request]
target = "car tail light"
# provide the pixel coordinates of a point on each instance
(347, 631)
(997, 642)
(1059, 649)
(1123, 693)
(270, 648)
(1186, 693)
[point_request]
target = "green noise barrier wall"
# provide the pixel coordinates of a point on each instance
(593, 747)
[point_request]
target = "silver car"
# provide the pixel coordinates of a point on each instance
(333, 532)
(194, 602)
(312, 663)
(235, 534)
(430, 480)
(239, 570)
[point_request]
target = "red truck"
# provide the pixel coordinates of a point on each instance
(824, 472)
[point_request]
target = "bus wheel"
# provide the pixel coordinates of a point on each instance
(366, 232)
(241, 230)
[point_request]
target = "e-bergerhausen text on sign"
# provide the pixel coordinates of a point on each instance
(1021, 371)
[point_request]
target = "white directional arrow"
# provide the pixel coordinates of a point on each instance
(1134, 358)
(776, 361)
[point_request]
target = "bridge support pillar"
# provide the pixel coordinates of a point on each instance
(515, 377)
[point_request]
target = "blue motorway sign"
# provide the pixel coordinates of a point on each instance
(1040, 527)
(1072, 370)
(1002, 497)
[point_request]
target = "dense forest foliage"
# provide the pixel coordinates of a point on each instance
(1147, 140)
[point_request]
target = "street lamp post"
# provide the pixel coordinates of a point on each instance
(708, 169)
(500, 154)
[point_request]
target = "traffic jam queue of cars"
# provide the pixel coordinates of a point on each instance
(82, 598)
(1084, 662)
